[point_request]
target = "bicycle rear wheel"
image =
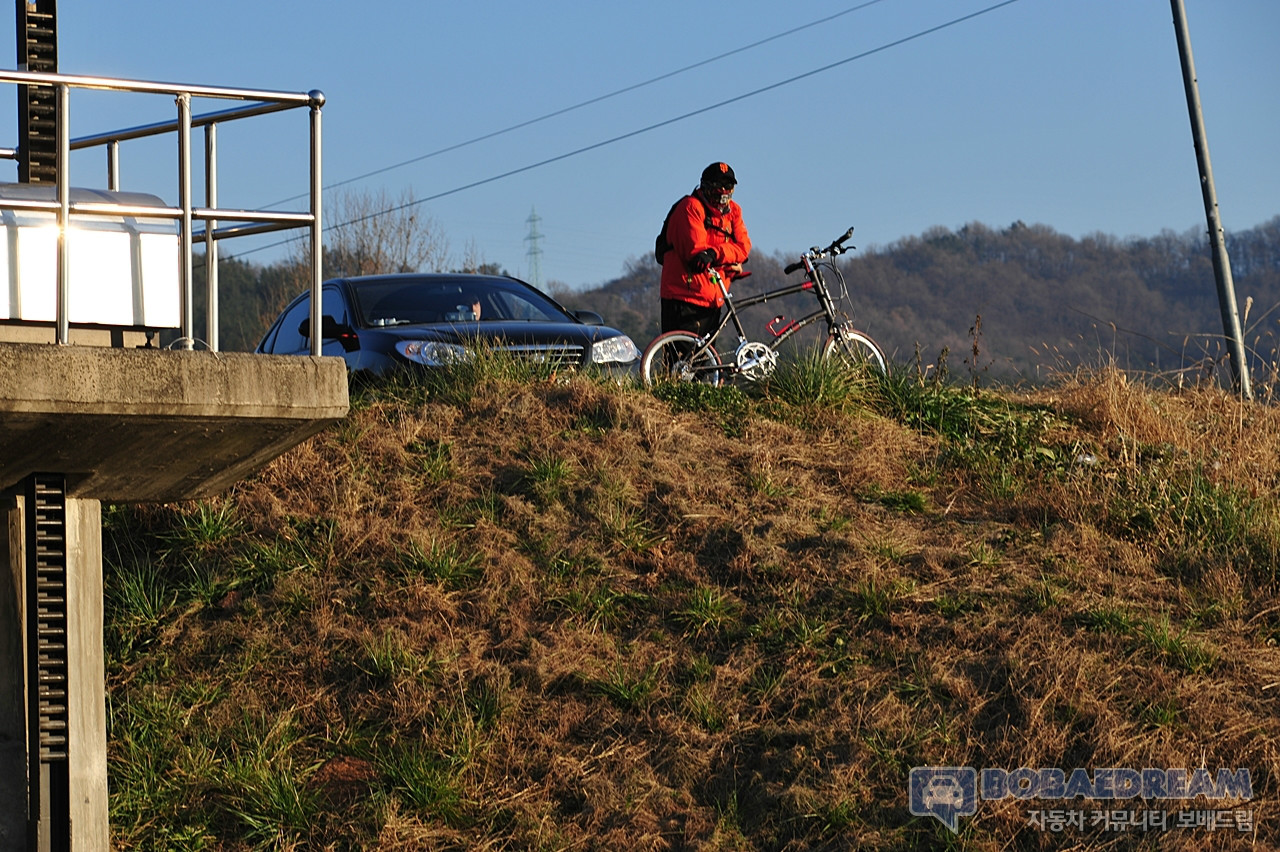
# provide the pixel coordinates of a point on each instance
(678, 356)
(855, 350)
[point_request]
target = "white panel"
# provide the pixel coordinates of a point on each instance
(161, 305)
(37, 272)
(101, 279)
(6, 309)
(123, 271)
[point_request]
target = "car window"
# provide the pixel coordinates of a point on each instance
(389, 302)
(516, 306)
(290, 341)
(332, 304)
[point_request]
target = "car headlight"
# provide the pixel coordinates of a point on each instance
(611, 350)
(433, 353)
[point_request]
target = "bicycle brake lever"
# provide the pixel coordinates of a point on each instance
(837, 246)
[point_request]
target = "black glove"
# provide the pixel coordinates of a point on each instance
(702, 261)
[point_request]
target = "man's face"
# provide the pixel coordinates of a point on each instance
(718, 194)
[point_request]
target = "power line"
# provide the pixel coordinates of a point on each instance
(585, 103)
(657, 125)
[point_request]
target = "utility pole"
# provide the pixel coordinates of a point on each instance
(534, 254)
(1217, 237)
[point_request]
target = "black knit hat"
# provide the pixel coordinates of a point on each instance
(718, 174)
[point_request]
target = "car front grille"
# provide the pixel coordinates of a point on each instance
(555, 355)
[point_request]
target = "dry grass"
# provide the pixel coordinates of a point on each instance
(563, 615)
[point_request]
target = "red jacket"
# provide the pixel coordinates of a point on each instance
(688, 234)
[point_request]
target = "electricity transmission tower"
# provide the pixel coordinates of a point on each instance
(534, 254)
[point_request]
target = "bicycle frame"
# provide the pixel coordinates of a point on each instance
(820, 291)
(814, 282)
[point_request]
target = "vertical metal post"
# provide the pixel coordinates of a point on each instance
(210, 244)
(317, 243)
(1217, 237)
(63, 182)
(184, 228)
(113, 165)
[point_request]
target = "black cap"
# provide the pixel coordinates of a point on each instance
(718, 174)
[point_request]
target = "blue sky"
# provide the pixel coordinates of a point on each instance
(1067, 114)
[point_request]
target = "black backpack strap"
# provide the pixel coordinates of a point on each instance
(662, 245)
(667, 221)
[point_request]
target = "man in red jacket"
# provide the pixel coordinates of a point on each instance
(705, 231)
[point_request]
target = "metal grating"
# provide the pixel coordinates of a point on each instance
(37, 106)
(554, 355)
(48, 663)
(49, 578)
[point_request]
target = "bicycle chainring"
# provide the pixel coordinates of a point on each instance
(755, 361)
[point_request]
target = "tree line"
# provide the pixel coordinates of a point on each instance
(1017, 303)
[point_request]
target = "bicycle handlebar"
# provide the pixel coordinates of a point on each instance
(836, 247)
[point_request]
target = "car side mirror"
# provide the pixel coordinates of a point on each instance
(331, 329)
(589, 317)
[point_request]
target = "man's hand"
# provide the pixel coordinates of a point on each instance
(702, 261)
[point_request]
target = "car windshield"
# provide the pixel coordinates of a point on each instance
(414, 301)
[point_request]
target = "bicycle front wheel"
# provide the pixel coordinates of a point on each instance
(679, 356)
(855, 350)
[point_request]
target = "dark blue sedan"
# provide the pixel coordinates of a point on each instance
(379, 322)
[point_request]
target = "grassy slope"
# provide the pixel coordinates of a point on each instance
(514, 614)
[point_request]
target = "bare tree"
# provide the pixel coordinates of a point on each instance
(369, 233)
(472, 260)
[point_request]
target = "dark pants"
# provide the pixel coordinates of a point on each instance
(688, 317)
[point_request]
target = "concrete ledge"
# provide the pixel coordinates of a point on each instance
(121, 338)
(137, 425)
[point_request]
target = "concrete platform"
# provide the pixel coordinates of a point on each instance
(138, 425)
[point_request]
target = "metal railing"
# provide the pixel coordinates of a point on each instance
(218, 223)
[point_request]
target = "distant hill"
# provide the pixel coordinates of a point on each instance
(1046, 300)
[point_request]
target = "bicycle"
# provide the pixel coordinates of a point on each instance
(686, 357)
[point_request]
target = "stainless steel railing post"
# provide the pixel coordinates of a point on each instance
(210, 244)
(184, 226)
(63, 181)
(317, 237)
